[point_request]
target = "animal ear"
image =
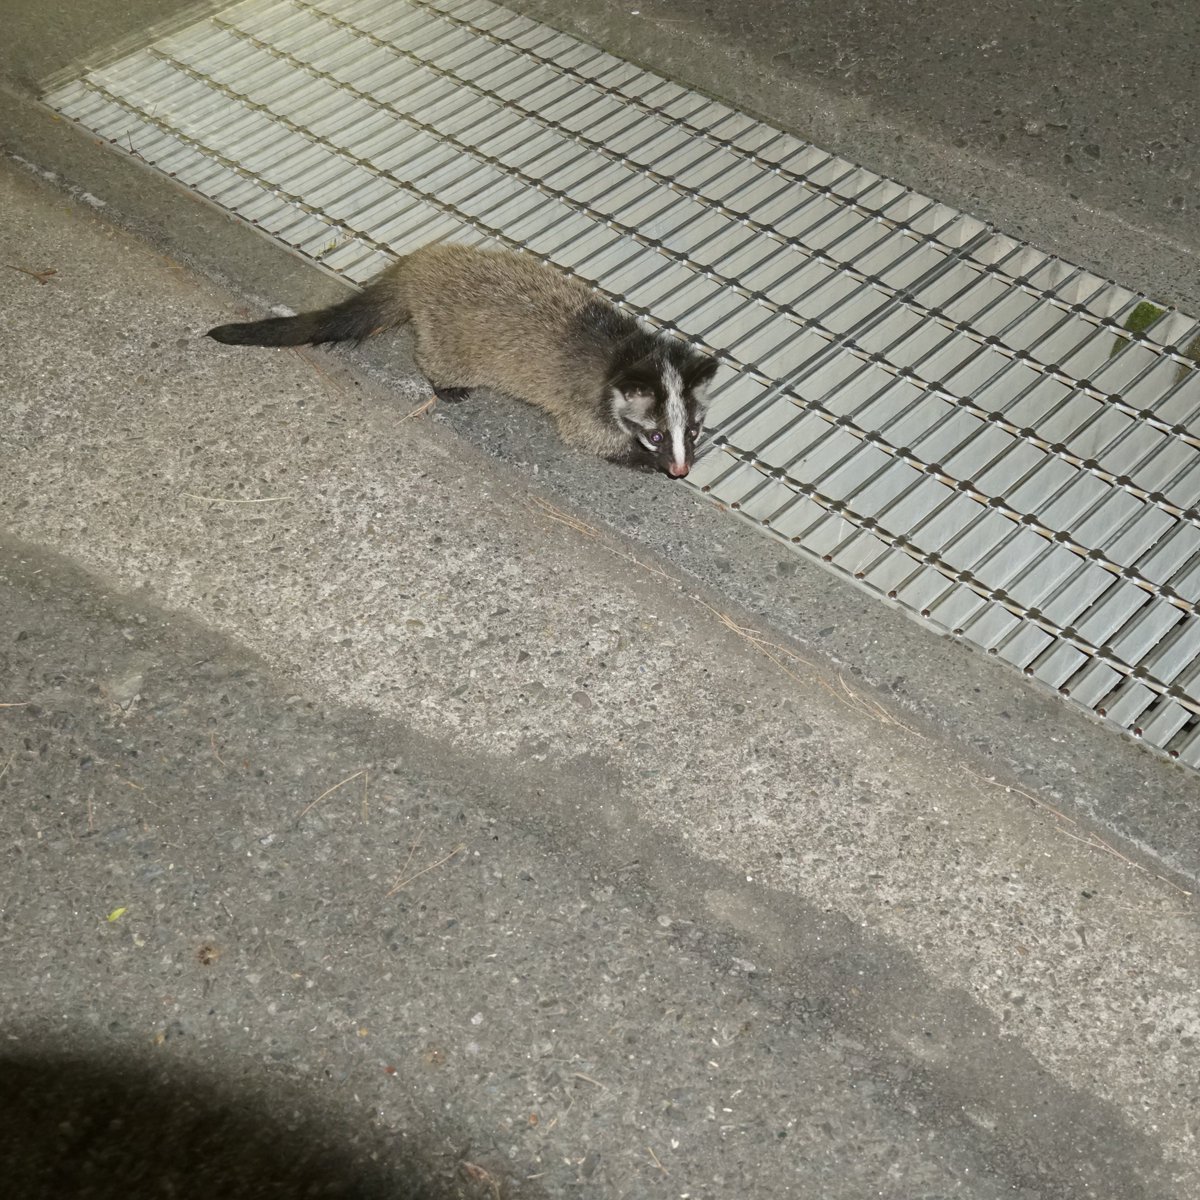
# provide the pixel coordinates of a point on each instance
(632, 401)
(701, 374)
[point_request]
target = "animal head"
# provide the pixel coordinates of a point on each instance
(659, 401)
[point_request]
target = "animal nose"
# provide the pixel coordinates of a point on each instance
(678, 470)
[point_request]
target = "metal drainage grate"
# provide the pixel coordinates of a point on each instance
(990, 437)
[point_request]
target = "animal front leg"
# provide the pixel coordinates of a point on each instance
(632, 462)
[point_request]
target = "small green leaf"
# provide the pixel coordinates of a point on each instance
(117, 914)
(1143, 316)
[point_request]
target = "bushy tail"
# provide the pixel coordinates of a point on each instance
(352, 320)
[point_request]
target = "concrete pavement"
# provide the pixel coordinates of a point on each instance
(721, 905)
(679, 912)
(1019, 733)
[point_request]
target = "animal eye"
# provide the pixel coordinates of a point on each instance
(656, 437)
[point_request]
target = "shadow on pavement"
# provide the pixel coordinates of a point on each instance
(72, 1127)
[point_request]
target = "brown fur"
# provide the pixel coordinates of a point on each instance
(500, 320)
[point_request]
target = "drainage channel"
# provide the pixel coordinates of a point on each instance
(990, 438)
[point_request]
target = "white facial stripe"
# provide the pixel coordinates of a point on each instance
(676, 413)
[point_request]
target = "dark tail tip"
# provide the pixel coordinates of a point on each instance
(276, 331)
(352, 320)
